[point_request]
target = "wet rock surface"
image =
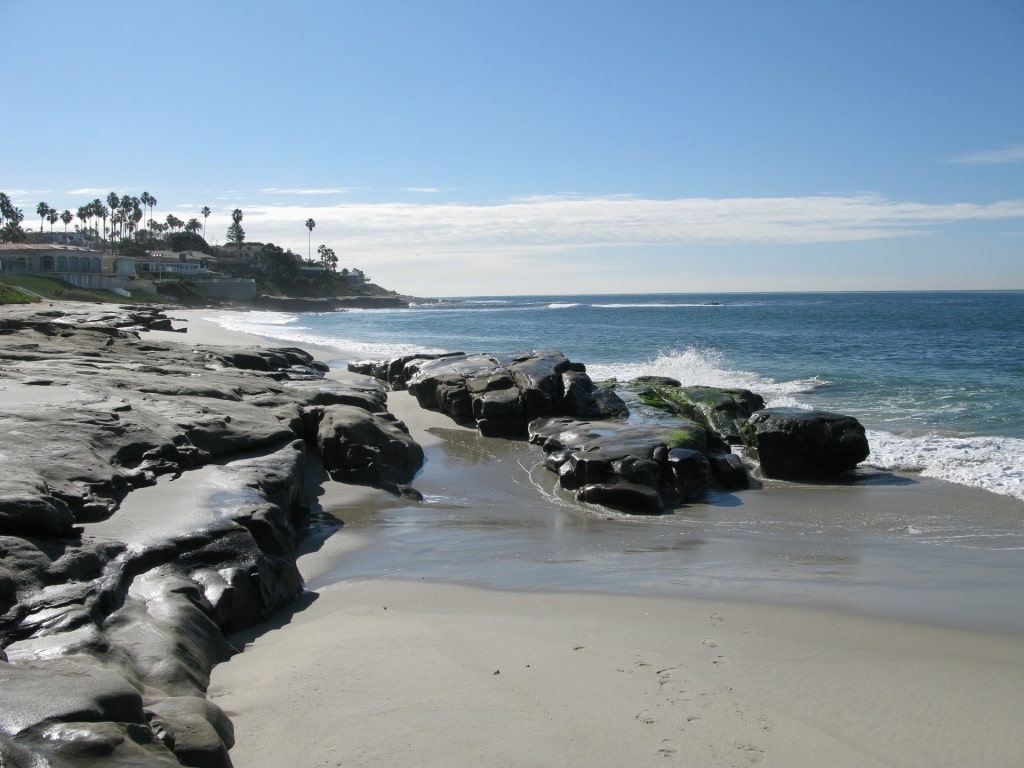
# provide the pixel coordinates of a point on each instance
(151, 500)
(641, 465)
(795, 444)
(499, 393)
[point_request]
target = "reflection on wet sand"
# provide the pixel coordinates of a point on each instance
(493, 516)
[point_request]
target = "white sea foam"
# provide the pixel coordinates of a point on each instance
(279, 326)
(657, 306)
(995, 464)
(700, 366)
(246, 321)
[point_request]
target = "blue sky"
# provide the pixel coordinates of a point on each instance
(476, 147)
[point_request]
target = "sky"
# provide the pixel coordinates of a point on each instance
(486, 147)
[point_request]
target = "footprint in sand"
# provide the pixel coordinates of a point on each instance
(668, 748)
(754, 755)
(665, 675)
(646, 717)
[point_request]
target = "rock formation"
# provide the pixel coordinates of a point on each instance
(796, 444)
(646, 467)
(114, 603)
(500, 394)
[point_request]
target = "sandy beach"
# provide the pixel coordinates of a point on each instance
(381, 664)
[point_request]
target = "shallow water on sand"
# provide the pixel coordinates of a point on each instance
(889, 545)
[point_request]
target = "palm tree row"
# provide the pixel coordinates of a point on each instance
(125, 213)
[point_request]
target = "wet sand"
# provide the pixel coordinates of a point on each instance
(498, 622)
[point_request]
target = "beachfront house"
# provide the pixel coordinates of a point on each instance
(77, 265)
(166, 265)
(50, 259)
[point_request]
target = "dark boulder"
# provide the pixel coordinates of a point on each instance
(621, 465)
(27, 513)
(689, 471)
(728, 471)
(798, 444)
(361, 447)
(500, 394)
(585, 400)
(623, 495)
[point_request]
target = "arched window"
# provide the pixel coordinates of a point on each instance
(46, 264)
(62, 263)
(73, 264)
(96, 264)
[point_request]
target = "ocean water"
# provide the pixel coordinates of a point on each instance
(937, 378)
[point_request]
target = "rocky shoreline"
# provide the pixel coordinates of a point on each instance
(151, 501)
(650, 467)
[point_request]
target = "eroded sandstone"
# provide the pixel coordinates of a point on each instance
(151, 500)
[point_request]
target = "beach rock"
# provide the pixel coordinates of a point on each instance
(397, 371)
(798, 444)
(198, 731)
(728, 471)
(361, 447)
(689, 471)
(722, 411)
(499, 393)
(112, 612)
(623, 495)
(32, 514)
(622, 465)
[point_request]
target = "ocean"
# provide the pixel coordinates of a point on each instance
(937, 378)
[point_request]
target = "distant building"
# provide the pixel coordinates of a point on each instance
(159, 265)
(50, 259)
(354, 276)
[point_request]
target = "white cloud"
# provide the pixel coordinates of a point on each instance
(555, 223)
(306, 190)
(1014, 154)
(423, 190)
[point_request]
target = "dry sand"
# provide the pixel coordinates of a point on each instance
(387, 673)
(382, 672)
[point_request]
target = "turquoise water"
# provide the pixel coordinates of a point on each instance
(936, 377)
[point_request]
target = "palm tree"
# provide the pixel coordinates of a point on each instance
(67, 218)
(236, 234)
(192, 226)
(102, 212)
(42, 211)
(126, 205)
(206, 215)
(83, 216)
(309, 240)
(96, 211)
(144, 198)
(135, 216)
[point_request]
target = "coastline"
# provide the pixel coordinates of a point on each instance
(414, 671)
(370, 670)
